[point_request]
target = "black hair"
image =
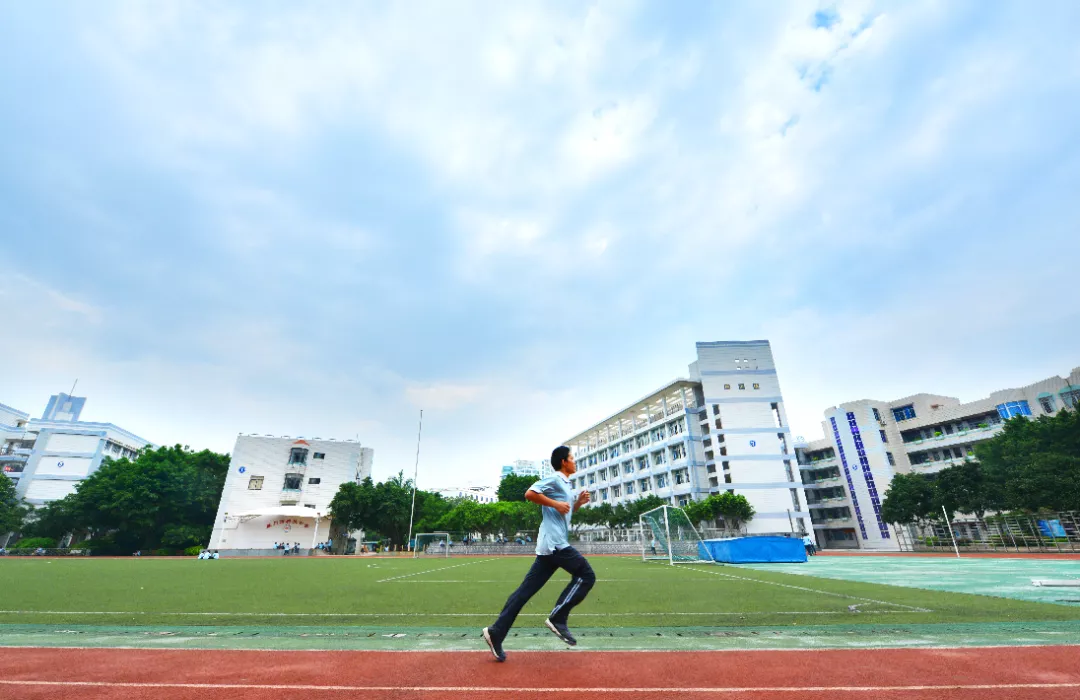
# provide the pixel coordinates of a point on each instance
(558, 455)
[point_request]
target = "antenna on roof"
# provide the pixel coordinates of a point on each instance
(73, 387)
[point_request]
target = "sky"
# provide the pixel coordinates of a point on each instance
(318, 218)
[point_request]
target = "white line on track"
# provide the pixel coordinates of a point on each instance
(430, 571)
(499, 689)
(911, 608)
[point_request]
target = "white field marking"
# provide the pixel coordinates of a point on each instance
(498, 689)
(430, 571)
(461, 580)
(419, 614)
(912, 608)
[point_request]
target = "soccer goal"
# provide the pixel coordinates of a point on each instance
(668, 535)
(432, 544)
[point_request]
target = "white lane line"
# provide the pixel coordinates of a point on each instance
(764, 690)
(431, 571)
(912, 608)
(420, 614)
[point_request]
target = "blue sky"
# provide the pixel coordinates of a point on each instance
(317, 218)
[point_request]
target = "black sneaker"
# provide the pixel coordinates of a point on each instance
(494, 644)
(561, 631)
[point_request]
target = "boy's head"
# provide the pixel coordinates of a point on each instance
(563, 461)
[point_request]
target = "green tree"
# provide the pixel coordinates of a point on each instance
(910, 498)
(1033, 464)
(513, 487)
(962, 489)
(12, 510)
(352, 507)
(168, 496)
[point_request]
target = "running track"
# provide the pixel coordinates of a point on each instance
(1045, 673)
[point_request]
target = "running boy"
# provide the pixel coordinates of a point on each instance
(553, 552)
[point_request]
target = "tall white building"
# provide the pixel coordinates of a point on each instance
(279, 490)
(525, 467)
(867, 442)
(480, 494)
(721, 429)
(47, 457)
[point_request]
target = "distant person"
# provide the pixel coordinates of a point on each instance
(653, 546)
(553, 552)
(811, 546)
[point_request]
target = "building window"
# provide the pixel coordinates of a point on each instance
(603, 494)
(255, 483)
(293, 482)
(643, 485)
(592, 479)
(727, 387)
(661, 481)
(742, 386)
(757, 386)
(727, 478)
(892, 460)
(716, 406)
(1070, 398)
(884, 438)
(903, 413)
(309, 505)
(1013, 408)
(1047, 403)
(315, 480)
(616, 491)
(629, 488)
(319, 455)
(776, 415)
(298, 455)
(877, 415)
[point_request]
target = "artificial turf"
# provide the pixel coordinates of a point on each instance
(462, 592)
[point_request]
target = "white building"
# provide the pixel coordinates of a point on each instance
(525, 467)
(279, 490)
(480, 494)
(723, 428)
(47, 457)
(847, 473)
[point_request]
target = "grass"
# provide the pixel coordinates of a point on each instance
(462, 592)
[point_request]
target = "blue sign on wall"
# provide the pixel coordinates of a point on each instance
(753, 443)
(242, 469)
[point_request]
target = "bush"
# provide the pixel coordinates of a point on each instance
(35, 542)
(193, 551)
(103, 546)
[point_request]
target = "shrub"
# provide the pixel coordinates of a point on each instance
(35, 542)
(193, 551)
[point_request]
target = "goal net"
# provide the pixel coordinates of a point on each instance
(432, 544)
(668, 535)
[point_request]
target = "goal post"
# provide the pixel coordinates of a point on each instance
(668, 535)
(432, 544)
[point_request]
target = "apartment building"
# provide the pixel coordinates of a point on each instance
(480, 494)
(846, 473)
(47, 457)
(279, 490)
(525, 467)
(722, 428)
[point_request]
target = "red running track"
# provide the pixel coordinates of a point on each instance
(1045, 673)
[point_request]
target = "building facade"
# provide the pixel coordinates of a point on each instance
(47, 457)
(723, 428)
(867, 442)
(279, 490)
(480, 494)
(524, 467)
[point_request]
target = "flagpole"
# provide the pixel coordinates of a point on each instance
(416, 471)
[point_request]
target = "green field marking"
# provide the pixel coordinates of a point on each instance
(532, 638)
(1002, 578)
(350, 591)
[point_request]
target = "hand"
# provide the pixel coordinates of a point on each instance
(562, 507)
(583, 498)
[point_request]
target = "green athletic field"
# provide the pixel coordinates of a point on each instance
(466, 593)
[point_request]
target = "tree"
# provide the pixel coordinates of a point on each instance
(961, 488)
(167, 496)
(909, 498)
(1033, 464)
(352, 505)
(12, 510)
(513, 487)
